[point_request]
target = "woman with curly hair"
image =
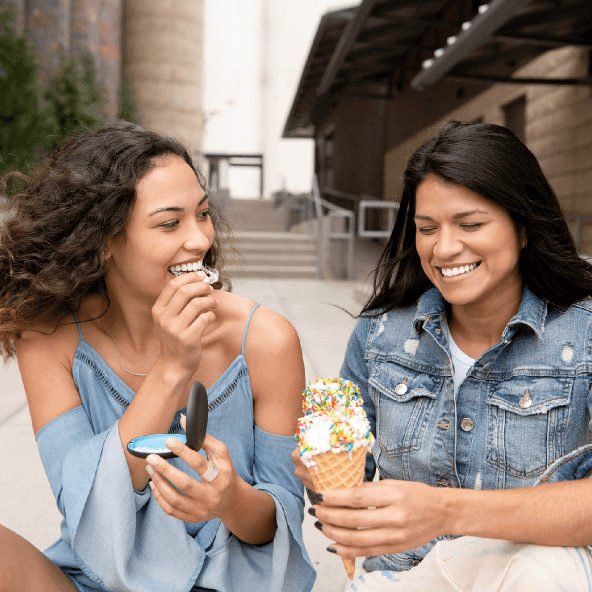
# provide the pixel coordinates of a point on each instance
(104, 303)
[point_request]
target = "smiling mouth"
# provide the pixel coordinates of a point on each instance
(177, 270)
(212, 275)
(463, 270)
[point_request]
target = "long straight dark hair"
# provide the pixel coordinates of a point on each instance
(491, 161)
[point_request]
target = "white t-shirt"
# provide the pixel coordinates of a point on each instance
(460, 362)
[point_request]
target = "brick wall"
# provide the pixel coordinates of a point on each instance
(162, 48)
(558, 130)
(95, 28)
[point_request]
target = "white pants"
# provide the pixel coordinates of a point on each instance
(470, 564)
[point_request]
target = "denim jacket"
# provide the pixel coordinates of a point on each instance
(524, 405)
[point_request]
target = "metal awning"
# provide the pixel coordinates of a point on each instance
(386, 46)
(328, 34)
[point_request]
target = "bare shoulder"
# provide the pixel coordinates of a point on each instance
(45, 354)
(57, 340)
(271, 332)
(276, 369)
(268, 330)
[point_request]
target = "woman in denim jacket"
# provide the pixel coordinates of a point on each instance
(474, 359)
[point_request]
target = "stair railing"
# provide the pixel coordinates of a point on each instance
(391, 207)
(334, 212)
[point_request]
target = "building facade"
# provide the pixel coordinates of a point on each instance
(368, 97)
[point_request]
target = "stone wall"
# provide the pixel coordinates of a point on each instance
(96, 29)
(163, 58)
(161, 53)
(558, 130)
(77, 27)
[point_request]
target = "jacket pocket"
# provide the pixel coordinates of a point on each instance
(527, 429)
(402, 414)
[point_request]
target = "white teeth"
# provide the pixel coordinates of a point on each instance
(186, 267)
(457, 270)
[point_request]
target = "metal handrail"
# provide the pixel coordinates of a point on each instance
(375, 204)
(341, 194)
(334, 212)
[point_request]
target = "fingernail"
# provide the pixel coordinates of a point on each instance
(312, 512)
(151, 485)
(331, 549)
(315, 498)
(149, 470)
(170, 443)
(183, 416)
(152, 459)
(318, 525)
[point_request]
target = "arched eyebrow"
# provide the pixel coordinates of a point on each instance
(455, 217)
(176, 208)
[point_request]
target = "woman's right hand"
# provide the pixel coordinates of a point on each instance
(181, 314)
(302, 471)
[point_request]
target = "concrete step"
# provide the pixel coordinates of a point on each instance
(269, 271)
(272, 236)
(273, 259)
(253, 215)
(272, 255)
(266, 248)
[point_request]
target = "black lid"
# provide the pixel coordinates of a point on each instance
(197, 416)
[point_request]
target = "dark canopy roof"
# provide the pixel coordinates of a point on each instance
(385, 46)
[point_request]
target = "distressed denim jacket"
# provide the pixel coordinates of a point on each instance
(523, 407)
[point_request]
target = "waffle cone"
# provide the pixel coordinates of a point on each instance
(339, 471)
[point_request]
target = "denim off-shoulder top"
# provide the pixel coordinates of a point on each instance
(116, 538)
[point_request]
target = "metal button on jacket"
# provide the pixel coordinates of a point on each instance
(467, 424)
(401, 388)
(526, 401)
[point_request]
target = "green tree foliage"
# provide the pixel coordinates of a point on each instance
(128, 109)
(26, 125)
(75, 97)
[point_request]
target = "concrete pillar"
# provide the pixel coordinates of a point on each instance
(162, 57)
(49, 29)
(96, 29)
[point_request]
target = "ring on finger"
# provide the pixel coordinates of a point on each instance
(211, 472)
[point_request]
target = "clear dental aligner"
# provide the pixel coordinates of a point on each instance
(211, 274)
(150, 450)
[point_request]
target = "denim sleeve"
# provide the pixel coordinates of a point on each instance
(56, 441)
(355, 368)
(283, 564)
(121, 539)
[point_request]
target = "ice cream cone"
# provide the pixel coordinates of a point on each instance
(339, 471)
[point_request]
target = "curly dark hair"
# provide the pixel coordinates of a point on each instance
(59, 219)
(493, 162)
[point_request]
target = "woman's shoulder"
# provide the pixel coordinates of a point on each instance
(45, 355)
(54, 339)
(266, 325)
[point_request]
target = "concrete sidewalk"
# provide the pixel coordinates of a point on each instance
(26, 502)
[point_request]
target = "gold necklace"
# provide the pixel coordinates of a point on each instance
(119, 354)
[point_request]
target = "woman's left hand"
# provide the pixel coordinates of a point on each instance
(380, 518)
(196, 501)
